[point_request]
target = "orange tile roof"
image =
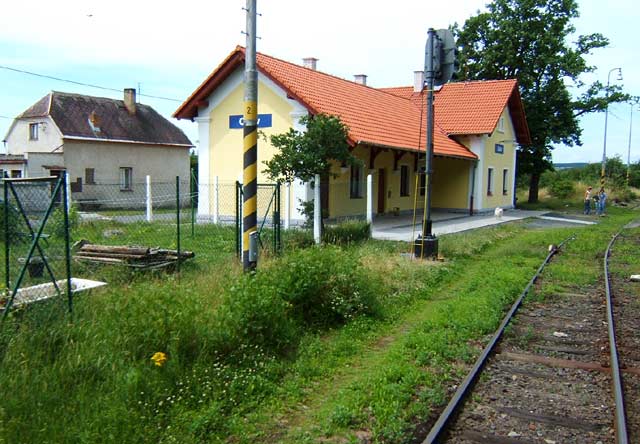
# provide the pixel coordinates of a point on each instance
(391, 117)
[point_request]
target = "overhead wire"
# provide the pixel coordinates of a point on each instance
(90, 85)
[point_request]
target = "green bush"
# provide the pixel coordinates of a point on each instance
(296, 238)
(55, 224)
(317, 288)
(347, 232)
(14, 219)
(562, 188)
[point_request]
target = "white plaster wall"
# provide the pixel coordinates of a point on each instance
(49, 137)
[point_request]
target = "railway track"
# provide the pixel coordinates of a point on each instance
(554, 373)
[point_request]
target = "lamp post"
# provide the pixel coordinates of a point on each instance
(606, 117)
(634, 102)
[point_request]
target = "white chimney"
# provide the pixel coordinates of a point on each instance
(418, 81)
(360, 78)
(130, 100)
(310, 62)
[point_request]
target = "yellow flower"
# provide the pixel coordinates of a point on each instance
(159, 358)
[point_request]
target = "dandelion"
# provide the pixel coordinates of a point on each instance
(159, 358)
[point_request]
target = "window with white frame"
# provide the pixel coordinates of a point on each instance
(355, 182)
(126, 179)
(33, 131)
(505, 177)
(490, 182)
(501, 124)
(404, 180)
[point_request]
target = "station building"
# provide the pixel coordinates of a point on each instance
(478, 126)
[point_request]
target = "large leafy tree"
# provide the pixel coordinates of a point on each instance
(534, 42)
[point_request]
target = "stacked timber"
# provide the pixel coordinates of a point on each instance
(132, 256)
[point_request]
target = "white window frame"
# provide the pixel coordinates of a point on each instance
(501, 124)
(490, 181)
(33, 131)
(126, 179)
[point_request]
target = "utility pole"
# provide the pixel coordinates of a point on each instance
(250, 148)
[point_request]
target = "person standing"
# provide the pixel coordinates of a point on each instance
(587, 200)
(602, 198)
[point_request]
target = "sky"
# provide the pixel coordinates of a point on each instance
(167, 50)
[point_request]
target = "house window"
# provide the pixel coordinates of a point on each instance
(16, 174)
(90, 176)
(355, 182)
(33, 131)
(499, 148)
(404, 180)
(490, 182)
(501, 124)
(126, 179)
(505, 176)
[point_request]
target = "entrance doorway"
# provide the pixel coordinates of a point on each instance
(382, 190)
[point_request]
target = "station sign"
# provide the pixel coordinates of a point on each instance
(237, 121)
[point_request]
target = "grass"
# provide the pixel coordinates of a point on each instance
(377, 369)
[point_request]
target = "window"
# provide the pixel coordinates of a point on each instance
(126, 179)
(33, 131)
(499, 148)
(16, 174)
(505, 176)
(355, 182)
(501, 124)
(404, 180)
(490, 182)
(90, 176)
(423, 182)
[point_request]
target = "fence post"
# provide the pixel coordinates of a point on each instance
(317, 210)
(67, 188)
(287, 215)
(192, 198)
(67, 247)
(216, 199)
(6, 237)
(177, 220)
(369, 198)
(279, 219)
(238, 191)
(149, 201)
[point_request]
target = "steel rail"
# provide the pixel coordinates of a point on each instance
(461, 393)
(621, 422)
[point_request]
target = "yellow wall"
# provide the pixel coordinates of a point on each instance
(499, 162)
(450, 185)
(226, 144)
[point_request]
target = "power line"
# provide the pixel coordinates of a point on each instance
(104, 88)
(6, 117)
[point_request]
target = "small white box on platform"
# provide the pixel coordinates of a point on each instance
(635, 278)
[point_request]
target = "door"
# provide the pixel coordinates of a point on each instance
(382, 190)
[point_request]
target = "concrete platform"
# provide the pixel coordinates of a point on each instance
(400, 228)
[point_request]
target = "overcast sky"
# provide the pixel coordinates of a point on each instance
(170, 49)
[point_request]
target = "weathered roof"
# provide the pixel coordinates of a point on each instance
(71, 113)
(390, 117)
(12, 159)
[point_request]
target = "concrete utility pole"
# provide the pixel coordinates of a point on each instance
(250, 151)
(606, 118)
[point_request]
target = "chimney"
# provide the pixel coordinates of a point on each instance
(310, 62)
(360, 78)
(418, 81)
(130, 100)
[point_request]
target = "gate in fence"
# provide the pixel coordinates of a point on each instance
(37, 256)
(269, 221)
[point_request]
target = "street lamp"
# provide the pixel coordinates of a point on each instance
(606, 117)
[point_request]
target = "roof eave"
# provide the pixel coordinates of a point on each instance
(137, 142)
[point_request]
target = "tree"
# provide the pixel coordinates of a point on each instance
(528, 40)
(302, 155)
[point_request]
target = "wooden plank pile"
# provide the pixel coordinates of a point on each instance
(131, 256)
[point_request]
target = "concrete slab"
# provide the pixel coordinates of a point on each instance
(443, 223)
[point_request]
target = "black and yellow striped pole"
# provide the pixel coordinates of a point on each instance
(250, 146)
